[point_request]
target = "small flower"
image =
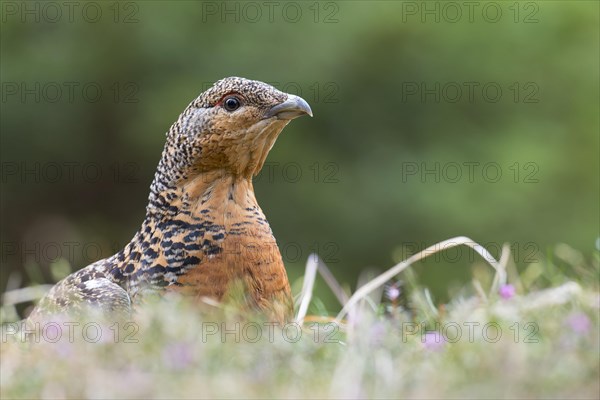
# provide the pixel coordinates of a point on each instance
(377, 333)
(507, 291)
(63, 349)
(433, 340)
(392, 292)
(579, 323)
(178, 356)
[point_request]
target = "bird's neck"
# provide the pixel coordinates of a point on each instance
(211, 219)
(215, 209)
(191, 197)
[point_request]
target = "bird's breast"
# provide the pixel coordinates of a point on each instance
(235, 247)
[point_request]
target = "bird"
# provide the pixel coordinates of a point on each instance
(203, 232)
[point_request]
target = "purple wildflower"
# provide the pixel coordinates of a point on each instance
(579, 323)
(377, 333)
(507, 291)
(433, 340)
(392, 292)
(178, 356)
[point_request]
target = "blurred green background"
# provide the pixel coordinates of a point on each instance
(431, 120)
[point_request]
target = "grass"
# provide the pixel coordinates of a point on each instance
(504, 335)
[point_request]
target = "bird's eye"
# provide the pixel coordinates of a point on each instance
(231, 103)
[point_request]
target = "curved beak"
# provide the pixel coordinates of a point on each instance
(293, 107)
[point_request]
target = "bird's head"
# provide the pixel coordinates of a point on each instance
(232, 126)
